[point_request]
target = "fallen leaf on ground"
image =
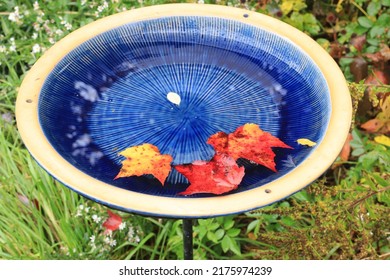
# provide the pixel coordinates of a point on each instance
(145, 159)
(219, 175)
(382, 139)
(372, 126)
(346, 150)
(113, 221)
(248, 142)
(358, 42)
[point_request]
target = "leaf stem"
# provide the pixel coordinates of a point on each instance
(360, 8)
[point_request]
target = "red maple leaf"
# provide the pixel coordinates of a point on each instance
(249, 142)
(113, 221)
(219, 175)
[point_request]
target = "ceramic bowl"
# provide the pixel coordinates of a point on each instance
(172, 76)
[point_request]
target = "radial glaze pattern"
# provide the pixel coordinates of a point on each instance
(110, 93)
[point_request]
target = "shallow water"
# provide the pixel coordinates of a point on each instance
(112, 92)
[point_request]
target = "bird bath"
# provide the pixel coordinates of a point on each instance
(172, 76)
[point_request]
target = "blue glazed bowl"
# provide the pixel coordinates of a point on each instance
(173, 79)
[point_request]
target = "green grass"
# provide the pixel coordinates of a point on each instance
(345, 214)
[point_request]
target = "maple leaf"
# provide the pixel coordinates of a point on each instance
(249, 142)
(145, 159)
(113, 222)
(219, 175)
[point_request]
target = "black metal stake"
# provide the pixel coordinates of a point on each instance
(187, 239)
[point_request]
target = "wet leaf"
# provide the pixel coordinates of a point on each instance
(145, 159)
(113, 221)
(220, 175)
(248, 142)
(306, 142)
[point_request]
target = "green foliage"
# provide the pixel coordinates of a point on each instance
(295, 12)
(219, 234)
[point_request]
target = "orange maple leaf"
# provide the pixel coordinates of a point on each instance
(249, 142)
(145, 159)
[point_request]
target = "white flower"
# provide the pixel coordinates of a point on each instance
(112, 242)
(12, 48)
(36, 48)
(83, 2)
(132, 236)
(96, 218)
(68, 26)
(36, 6)
(40, 19)
(101, 8)
(92, 239)
(59, 32)
(37, 27)
(34, 36)
(2, 49)
(122, 226)
(13, 17)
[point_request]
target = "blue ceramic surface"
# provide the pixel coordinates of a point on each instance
(110, 93)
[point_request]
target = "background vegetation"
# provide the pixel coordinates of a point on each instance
(343, 215)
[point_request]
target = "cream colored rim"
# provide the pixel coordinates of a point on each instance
(317, 163)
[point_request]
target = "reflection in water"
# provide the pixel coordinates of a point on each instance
(81, 145)
(87, 92)
(140, 105)
(174, 82)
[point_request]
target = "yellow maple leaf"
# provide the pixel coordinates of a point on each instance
(382, 139)
(145, 159)
(306, 142)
